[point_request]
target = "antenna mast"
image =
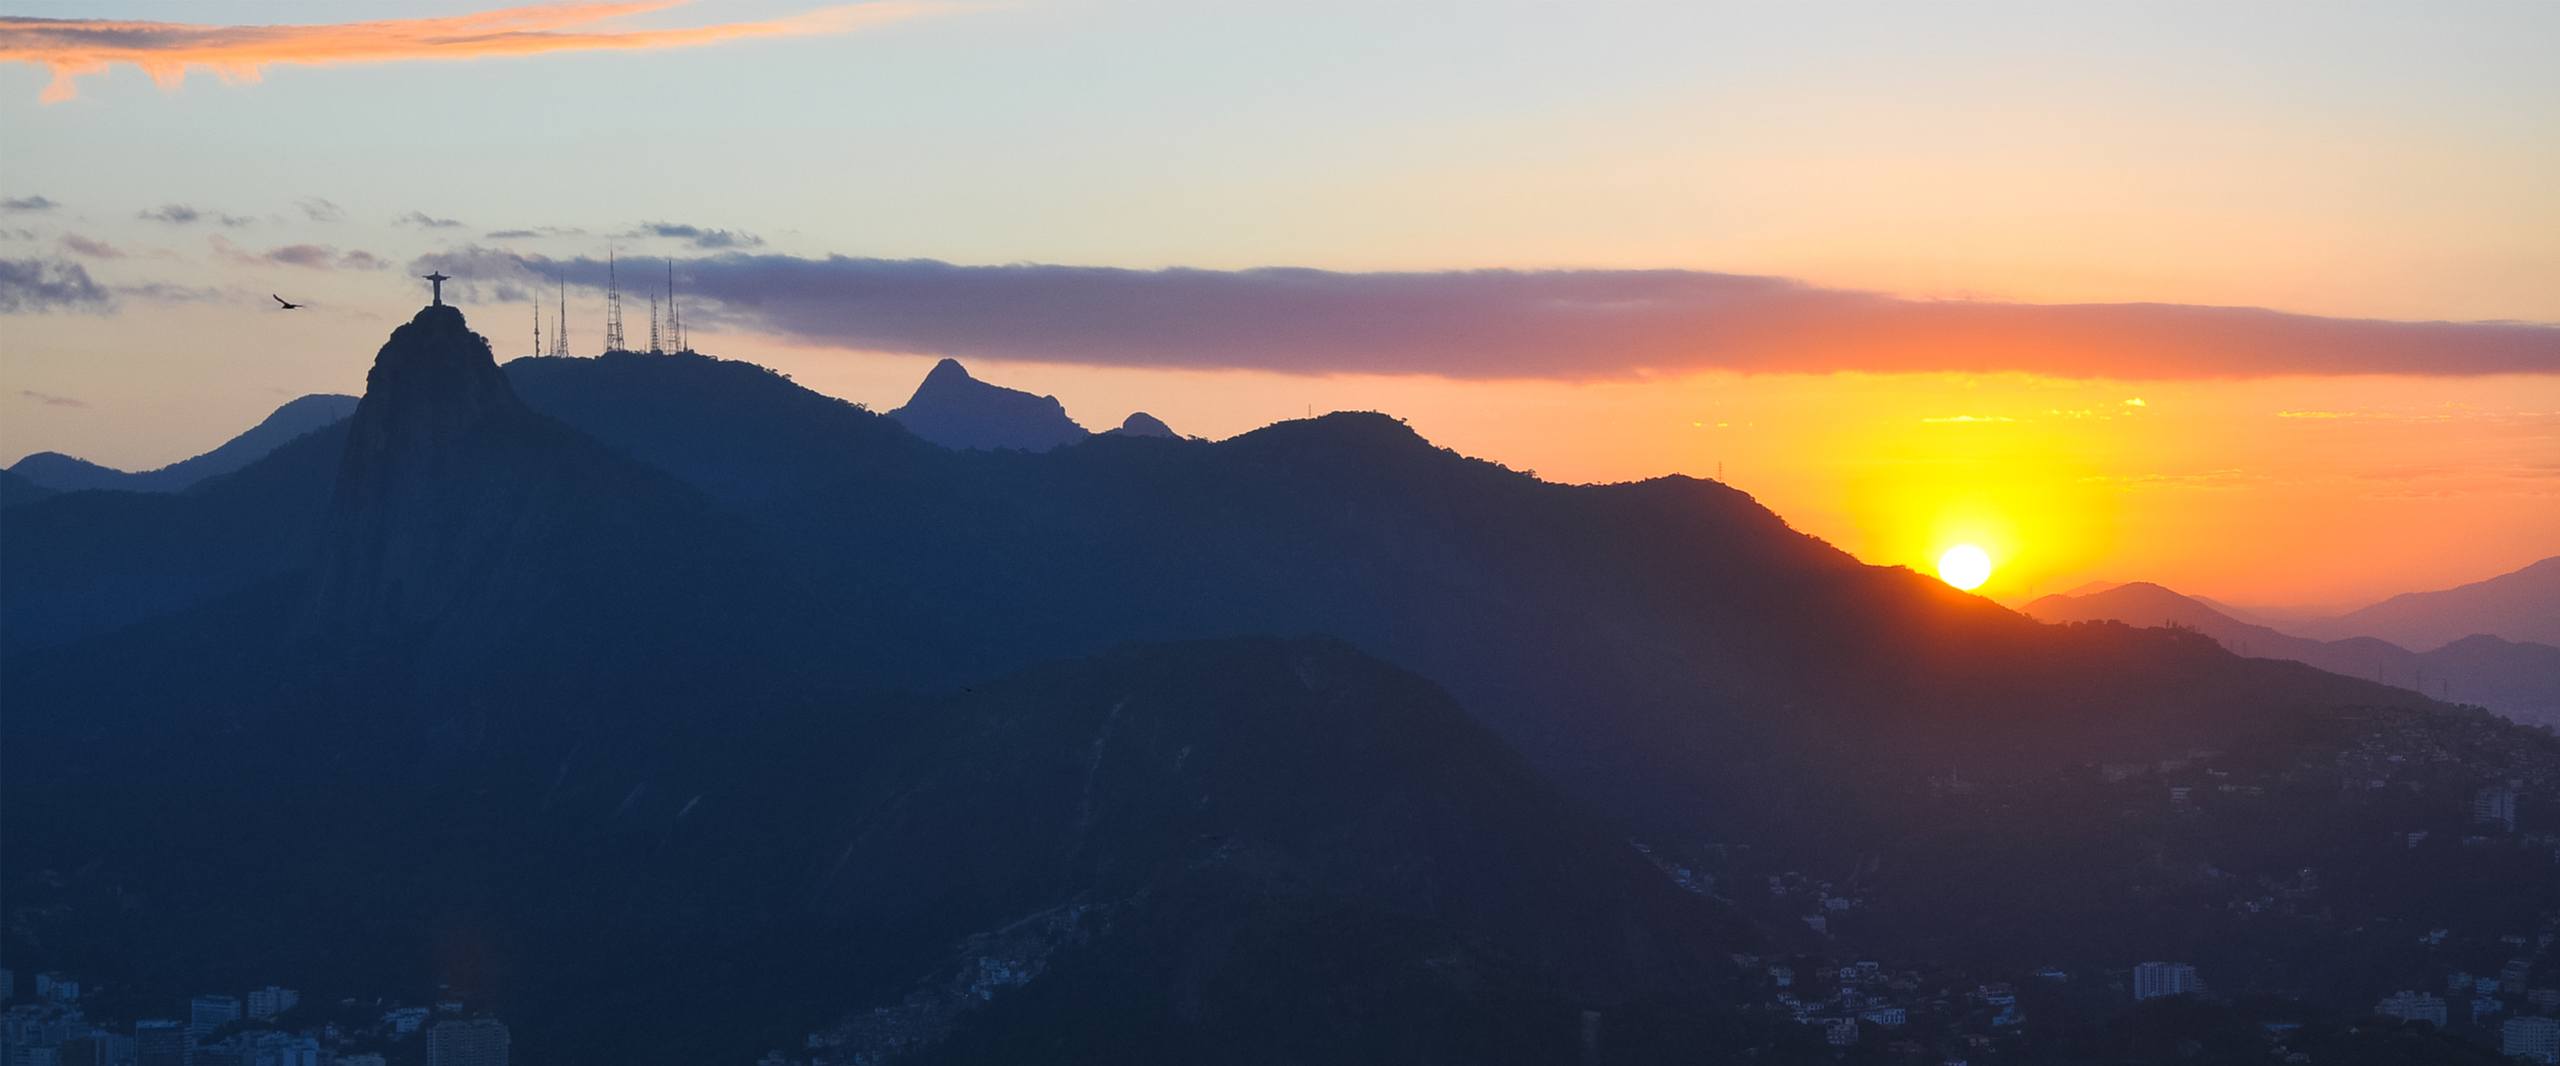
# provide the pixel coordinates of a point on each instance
(675, 325)
(612, 305)
(537, 325)
(560, 321)
(657, 343)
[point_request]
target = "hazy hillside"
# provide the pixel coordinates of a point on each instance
(302, 415)
(2522, 606)
(2519, 680)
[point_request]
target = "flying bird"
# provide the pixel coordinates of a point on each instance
(287, 305)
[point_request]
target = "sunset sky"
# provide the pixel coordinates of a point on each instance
(2256, 301)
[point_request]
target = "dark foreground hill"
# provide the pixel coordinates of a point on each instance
(1245, 849)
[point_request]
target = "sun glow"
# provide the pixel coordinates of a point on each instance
(1965, 566)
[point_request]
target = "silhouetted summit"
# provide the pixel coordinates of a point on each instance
(955, 410)
(1142, 424)
(434, 380)
(465, 527)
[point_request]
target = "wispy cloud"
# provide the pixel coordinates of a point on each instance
(535, 232)
(171, 292)
(74, 48)
(15, 204)
(426, 221)
(307, 256)
(188, 215)
(318, 209)
(2224, 478)
(2369, 416)
(34, 286)
(50, 400)
(698, 236)
(1963, 420)
(88, 248)
(1561, 325)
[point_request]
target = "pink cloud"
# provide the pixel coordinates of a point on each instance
(73, 48)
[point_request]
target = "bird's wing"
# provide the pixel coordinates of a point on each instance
(278, 299)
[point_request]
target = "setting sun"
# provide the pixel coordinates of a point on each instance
(1964, 566)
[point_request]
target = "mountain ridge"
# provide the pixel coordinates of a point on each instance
(301, 415)
(2519, 679)
(2520, 605)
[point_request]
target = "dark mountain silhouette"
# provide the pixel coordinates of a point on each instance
(2519, 680)
(442, 705)
(1142, 424)
(466, 532)
(84, 563)
(16, 490)
(955, 410)
(575, 685)
(57, 472)
(63, 473)
(1633, 640)
(2523, 605)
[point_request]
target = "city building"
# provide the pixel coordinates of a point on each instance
(477, 1042)
(159, 1042)
(2412, 1007)
(281, 1049)
(2531, 1039)
(1840, 1032)
(2495, 806)
(270, 1001)
(208, 1013)
(2152, 980)
(58, 988)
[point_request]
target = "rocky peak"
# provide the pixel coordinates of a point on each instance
(432, 381)
(955, 410)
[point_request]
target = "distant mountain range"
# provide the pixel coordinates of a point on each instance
(677, 712)
(2518, 679)
(57, 472)
(2523, 605)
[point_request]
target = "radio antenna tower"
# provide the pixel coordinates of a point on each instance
(612, 305)
(675, 325)
(537, 325)
(560, 321)
(657, 344)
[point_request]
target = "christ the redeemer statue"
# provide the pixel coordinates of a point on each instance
(437, 279)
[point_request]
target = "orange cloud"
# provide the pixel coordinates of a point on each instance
(73, 48)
